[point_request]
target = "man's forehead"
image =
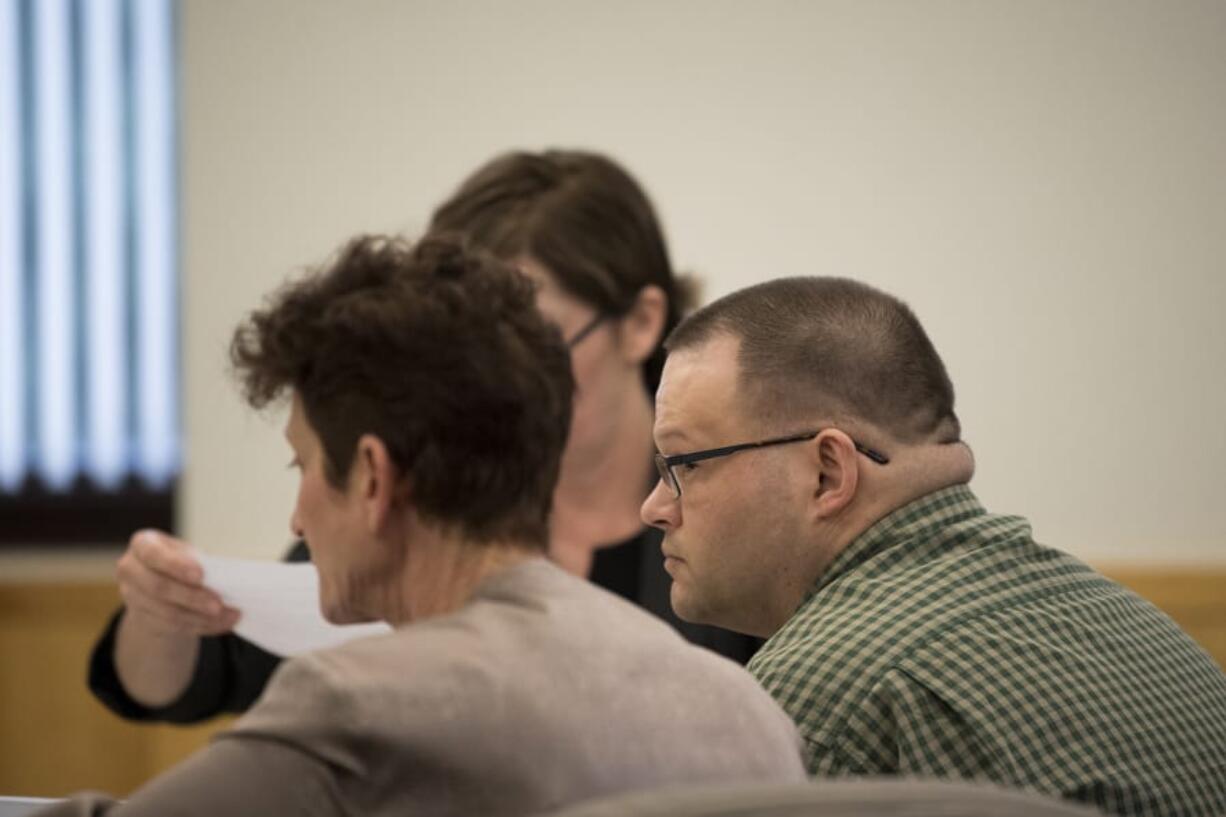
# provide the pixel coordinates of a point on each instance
(698, 389)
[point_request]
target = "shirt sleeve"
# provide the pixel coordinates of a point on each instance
(903, 726)
(229, 676)
(932, 736)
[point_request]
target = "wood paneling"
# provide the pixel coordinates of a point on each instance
(54, 737)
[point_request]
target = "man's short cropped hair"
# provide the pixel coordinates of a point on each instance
(439, 352)
(832, 347)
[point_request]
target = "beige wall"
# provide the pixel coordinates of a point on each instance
(1045, 182)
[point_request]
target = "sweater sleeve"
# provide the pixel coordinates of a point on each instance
(234, 777)
(289, 755)
(229, 676)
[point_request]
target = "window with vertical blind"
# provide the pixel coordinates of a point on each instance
(89, 350)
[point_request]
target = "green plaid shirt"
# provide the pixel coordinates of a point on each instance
(944, 642)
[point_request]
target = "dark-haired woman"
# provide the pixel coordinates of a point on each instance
(581, 226)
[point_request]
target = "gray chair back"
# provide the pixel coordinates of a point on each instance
(862, 797)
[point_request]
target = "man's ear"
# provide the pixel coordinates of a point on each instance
(837, 471)
(378, 482)
(639, 330)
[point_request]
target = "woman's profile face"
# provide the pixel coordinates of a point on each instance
(602, 373)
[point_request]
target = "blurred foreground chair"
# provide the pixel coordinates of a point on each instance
(863, 797)
(21, 806)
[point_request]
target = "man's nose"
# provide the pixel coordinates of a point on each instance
(661, 509)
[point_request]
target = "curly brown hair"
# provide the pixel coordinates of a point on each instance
(438, 351)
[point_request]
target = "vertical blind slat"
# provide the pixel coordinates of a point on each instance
(57, 398)
(156, 254)
(13, 449)
(106, 455)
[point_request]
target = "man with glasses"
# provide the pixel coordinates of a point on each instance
(813, 492)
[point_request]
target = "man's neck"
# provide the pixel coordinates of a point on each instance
(924, 470)
(913, 472)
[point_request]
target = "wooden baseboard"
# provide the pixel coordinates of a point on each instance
(54, 737)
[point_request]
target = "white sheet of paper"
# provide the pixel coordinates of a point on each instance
(280, 604)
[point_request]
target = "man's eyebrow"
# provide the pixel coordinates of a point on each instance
(670, 435)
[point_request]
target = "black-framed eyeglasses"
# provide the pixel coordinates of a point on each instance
(587, 329)
(665, 465)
